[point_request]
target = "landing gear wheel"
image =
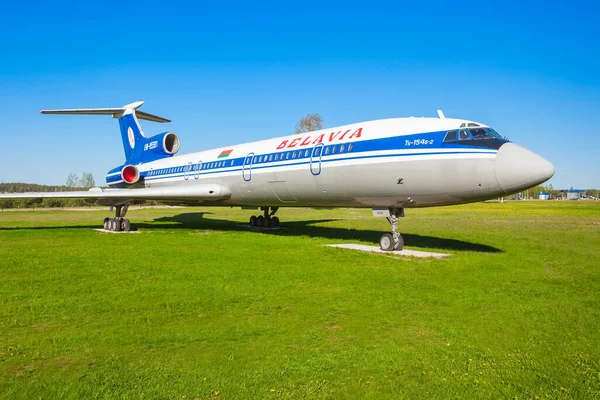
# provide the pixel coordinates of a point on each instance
(386, 242)
(261, 221)
(393, 241)
(268, 222)
(119, 222)
(274, 222)
(400, 244)
(253, 220)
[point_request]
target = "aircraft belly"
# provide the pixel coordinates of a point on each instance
(401, 182)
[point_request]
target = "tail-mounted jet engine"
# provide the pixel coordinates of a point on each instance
(130, 174)
(163, 144)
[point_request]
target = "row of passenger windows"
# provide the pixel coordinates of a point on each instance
(319, 151)
(190, 168)
(291, 155)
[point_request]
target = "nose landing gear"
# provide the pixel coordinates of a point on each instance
(391, 241)
(118, 223)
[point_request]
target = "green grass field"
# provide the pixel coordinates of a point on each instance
(195, 307)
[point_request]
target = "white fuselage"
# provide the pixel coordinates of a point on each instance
(397, 163)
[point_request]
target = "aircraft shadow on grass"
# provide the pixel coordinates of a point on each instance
(290, 228)
(308, 228)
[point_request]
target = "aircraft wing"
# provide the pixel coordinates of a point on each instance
(201, 192)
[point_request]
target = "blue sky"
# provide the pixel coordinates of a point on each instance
(233, 72)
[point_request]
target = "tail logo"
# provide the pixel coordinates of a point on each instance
(131, 137)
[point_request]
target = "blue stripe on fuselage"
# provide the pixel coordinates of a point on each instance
(422, 141)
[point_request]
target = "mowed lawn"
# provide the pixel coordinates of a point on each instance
(195, 306)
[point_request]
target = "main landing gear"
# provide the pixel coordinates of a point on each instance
(391, 241)
(267, 220)
(118, 223)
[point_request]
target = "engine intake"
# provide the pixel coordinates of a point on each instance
(170, 143)
(130, 174)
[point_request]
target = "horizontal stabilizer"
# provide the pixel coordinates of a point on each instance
(115, 112)
(115, 196)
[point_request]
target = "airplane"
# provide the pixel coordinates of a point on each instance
(387, 165)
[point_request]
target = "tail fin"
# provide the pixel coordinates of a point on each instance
(131, 131)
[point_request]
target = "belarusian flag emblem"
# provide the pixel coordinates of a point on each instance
(225, 153)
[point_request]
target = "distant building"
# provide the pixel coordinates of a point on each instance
(544, 195)
(574, 194)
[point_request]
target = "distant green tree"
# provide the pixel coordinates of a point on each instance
(87, 180)
(312, 122)
(72, 180)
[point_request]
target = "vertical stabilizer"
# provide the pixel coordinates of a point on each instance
(131, 133)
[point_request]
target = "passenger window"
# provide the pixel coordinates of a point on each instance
(287, 156)
(317, 151)
(450, 136)
(463, 135)
(350, 147)
(294, 155)
(342, 147)
(276, 157)
(270, 157)
(307, 153)
(232, 162)
(333, 149)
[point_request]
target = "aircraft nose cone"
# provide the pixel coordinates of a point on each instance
(518, 168)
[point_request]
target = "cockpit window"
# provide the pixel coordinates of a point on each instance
(450, 136)
(479, 133)
(463, 135)
(472, 133)
(495, 134)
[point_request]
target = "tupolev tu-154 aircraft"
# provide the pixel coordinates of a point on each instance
(386, 165)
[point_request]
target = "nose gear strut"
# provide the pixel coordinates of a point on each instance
(392, 241)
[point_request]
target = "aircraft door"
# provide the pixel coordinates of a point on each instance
(247, 168)
(147, 180)
(197, 169)
(315, 159)
(188, 169)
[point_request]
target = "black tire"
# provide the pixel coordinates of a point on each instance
(386, 242)
(116, 225)
(107, 224)
(274, 222)
(253, 220)
(260, 221)
(400, 245)
(268, 222)
(125, 225)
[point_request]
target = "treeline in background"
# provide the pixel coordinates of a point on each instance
(74, 182)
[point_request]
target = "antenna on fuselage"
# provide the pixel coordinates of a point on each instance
(441, 114)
